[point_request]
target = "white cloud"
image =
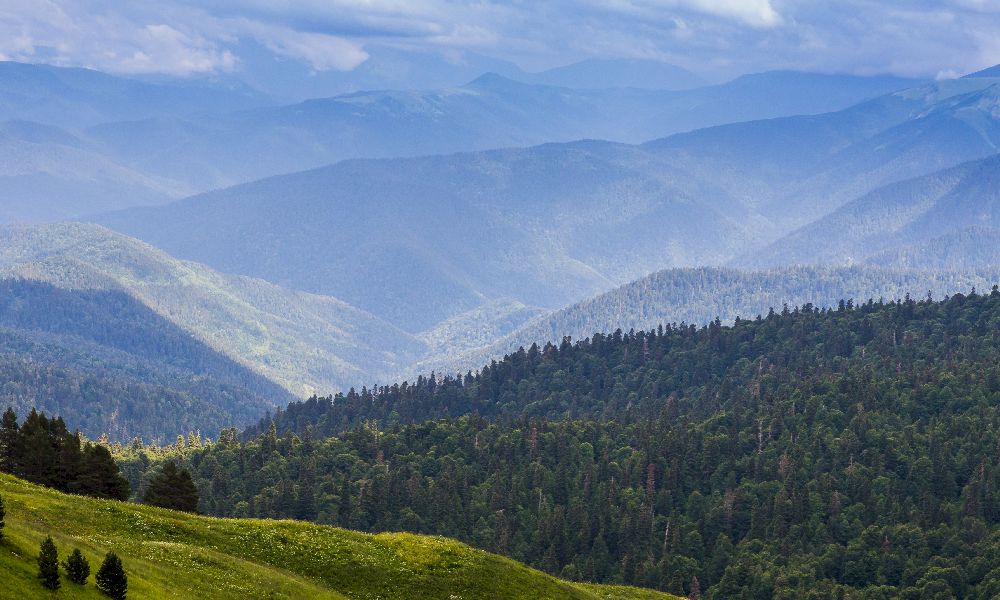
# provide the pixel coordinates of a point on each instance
(912, 37)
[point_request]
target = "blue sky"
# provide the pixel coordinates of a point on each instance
(712, 37)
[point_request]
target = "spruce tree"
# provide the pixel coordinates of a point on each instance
(8, 442)
(48, 564)
(111, 578)
(172, 488)
(77, 568)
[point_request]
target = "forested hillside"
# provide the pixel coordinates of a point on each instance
(304, 342)
(804, 454)
(698, 296)
(110, 365)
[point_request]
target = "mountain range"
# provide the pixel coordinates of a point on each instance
(76, 141)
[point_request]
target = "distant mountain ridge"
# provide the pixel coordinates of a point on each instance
(304, 342)
(901, 222)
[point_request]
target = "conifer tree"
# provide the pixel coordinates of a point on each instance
(111, 578)
(8, 441)
(172, 488)
(77, 568)
(48, 564)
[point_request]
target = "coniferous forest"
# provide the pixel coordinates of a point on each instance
(809, 453)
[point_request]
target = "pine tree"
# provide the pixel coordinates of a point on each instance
(111, 578)
(695, 589)
(77, 568)
(48, 564)
(172, 488)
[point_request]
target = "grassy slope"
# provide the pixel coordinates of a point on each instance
(175, 555)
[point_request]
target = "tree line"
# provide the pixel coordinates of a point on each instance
(44, 451)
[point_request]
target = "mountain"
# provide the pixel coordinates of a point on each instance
(597, 73)
(113, 366)
(700, 295)
(417, 241)
(812, 452)
(905, 220)
(796, 169)
(48, 173)
(305, 342)
(491, 111)
(167, 554)
(77, 98)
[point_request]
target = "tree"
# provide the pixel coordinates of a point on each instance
(48, 564)
(77, 568)
(99, 475)
(695, 589)
(111, 578)
(172, 488)
(8, 441)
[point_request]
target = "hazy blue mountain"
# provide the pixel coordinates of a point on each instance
(697, 296)
(912, 218)
(796, 169)
(114, 366)
(386, 68)
(48, 173)
(491, 111)
(304, 342)
(75, 98)
(617, 73)
(416, 241)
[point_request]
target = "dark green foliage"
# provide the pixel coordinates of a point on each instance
(111, 578)
(77, 568)
(48, 564)
(111, 365)
(172, 488)
(43, 451)
(806, 454)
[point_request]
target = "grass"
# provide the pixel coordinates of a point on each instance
(176, 555)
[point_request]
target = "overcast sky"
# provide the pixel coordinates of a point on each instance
(711, 37)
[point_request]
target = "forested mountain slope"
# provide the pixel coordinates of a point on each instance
(422, 240)
(911, 222)
(417, 241)
(112, 365)
(306, 343)
(806, 454)
(699, 296)
(167, 554)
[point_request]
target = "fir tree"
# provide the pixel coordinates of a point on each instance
(8, 441)
(172, 488)
(111, 578)
(77, 568)
(48, 564)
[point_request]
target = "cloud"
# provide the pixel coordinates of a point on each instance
(184, 37)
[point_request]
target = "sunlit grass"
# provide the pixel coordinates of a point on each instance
(175, 555)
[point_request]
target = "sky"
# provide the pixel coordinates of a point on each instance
(714, 38)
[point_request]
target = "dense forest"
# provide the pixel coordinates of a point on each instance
(108, 364)
(809, 453)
